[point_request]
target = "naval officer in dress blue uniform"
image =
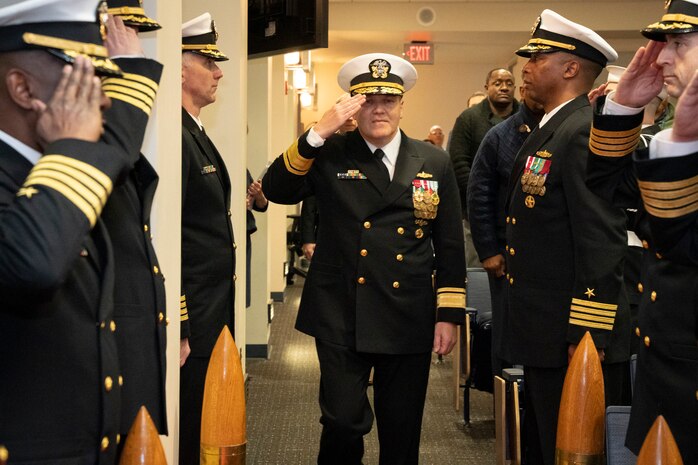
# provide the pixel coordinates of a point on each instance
(60, 395)
(663, 180)
(208, 245)
(565, 246)
(139, 285)
(386, 287)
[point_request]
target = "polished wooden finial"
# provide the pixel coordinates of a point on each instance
(580, 425)
(143, 446)
(659, 447)
(223, 423)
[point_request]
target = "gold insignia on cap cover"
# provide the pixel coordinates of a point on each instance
(535, 25)
(215, 31)
(103, 16)
(380, 68)
(667, 4)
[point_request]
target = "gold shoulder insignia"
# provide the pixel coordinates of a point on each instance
(544, 154)
(424, 175)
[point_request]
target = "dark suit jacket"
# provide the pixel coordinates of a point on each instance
(139, 289)
(564, 249)
(370, 286)
(208, 245)
(60, 396)
(667, 367)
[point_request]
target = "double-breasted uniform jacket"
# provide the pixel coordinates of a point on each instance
(370, 286)
(564, 250)
(667, 366)
(60, 395)
(139, 289)
(208, 247)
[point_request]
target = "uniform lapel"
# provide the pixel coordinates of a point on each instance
(409, 162)
(365, 160)
(540, 136)
(208, 149)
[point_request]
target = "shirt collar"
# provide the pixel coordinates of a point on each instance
(197, 121)
(548, 116)
(391, 149)
(23, 149)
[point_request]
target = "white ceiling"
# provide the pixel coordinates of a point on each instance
(466, 31)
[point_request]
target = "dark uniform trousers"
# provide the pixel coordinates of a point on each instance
(208, 272)
(565, 249)
(60, 397)
(666, 381)
(368, 299)
(139, 289)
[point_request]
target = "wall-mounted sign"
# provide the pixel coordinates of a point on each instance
(419, 53)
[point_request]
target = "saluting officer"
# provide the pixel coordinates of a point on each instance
(208, 245)
(390, 215)
(139, 289)
(565, 245)
(663, 180)
(60, 396)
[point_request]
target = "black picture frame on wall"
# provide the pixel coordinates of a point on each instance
(280, 26)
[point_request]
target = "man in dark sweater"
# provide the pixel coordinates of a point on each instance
(469, 130)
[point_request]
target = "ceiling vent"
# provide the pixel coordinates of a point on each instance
(426, 16)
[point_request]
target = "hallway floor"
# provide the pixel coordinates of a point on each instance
(283, 415)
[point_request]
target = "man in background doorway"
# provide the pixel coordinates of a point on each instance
(469, 130)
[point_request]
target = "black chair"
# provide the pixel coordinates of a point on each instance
(480, 313)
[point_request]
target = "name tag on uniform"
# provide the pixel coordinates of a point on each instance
(351, 175)
(208, 169)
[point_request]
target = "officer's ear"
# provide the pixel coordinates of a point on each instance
(21, 87)
(571, 69)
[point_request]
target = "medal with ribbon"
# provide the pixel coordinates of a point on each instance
(425, 198)
(534, 176)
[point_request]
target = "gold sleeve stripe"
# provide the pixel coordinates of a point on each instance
(183, 305)
(587, 317)
(670, 199)
(114, 89)
(70, 194)
(609, 153)
(184, 317)
(37, 176)
(593, 311)
(128, 84)
(590, 304)
(589, 324)
(183, 311)
(89, 170)
(295, 163)
(596, 144)
(136, 102)
(615, 140)
(630, 133)
(143, 80)
(49, 168)
(452, 297)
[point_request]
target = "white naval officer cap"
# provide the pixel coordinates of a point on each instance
(199, 35)
(681, 17)
(64, 29)
(377, 73)
(614, 73)
(555, 33)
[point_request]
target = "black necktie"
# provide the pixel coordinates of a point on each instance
(384, 179)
